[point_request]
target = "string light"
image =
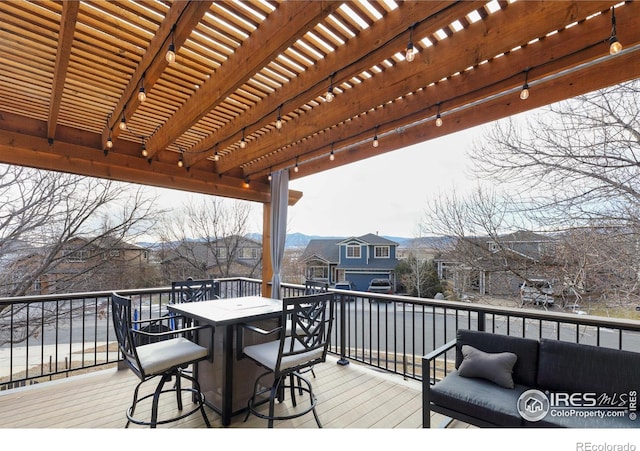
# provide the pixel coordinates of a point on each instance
(279, 120)
(144, 151)
(614, 44)
(375, 139)
(524, 94)
(109, 142)
(329, 96)
(332, 155)
(410, 54)
(295, 168)
(180, 160)
(142, 95)
(438, 117)
(171, 51)
(269, 177)
(243, 142)
(247, 183)
(123, 123)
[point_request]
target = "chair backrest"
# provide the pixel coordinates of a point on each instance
(121, 316)
(314, 287)
(194, 290)
(308, 340)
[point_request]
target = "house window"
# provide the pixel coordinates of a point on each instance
(248, 253)
(76, 256)
(382, 251)
(318, 272)
(114, 253)
(493, 247)
(221, 252)
(353, 251)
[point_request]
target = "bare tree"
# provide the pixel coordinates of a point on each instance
(207, 238)
(480, 226)
(42, 214)
(571, 170)
(574, 162)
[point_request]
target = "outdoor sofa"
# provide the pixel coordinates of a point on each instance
(584, 386)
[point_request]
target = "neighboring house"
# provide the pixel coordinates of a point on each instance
(232, 256)
(498, 266)
(83, 264)
(357, 259)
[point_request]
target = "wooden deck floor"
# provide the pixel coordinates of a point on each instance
(351, 396)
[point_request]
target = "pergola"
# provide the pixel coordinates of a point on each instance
(243, 93)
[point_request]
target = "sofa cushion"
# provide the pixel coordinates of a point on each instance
(526, 350)
(479, 398)
(573, 368)
(496, 367)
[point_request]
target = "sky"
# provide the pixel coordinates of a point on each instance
(386, 194)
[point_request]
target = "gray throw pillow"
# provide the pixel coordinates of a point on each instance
(495, 367)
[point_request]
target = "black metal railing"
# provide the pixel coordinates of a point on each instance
(52, 336)
(44, 337)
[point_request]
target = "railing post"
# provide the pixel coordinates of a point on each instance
(343, 333)
(481, 322)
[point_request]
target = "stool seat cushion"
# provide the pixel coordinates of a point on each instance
(155, 358)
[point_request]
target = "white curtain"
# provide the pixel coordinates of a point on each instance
(279, 203)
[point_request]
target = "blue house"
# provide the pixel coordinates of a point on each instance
(357, 259)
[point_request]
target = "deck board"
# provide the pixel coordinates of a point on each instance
(350, 396)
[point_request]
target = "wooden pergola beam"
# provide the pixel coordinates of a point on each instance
(432, 65)
(263, 46)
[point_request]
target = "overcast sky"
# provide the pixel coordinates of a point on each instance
(386, 194)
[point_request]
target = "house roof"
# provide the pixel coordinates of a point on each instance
(325, 249)
(73, 71)
(370, 239)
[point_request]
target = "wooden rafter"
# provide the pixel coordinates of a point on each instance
(71, 69)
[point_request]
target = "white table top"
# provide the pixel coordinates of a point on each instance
(221, 312)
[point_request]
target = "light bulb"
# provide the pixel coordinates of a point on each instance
(279, 123)
(246, 183)
(614, 45)
(171, 54)
(524, 94)
(332, 156)
(410, 55)
(269, 177)
(375, 141)
(216, 156)
(123, 124)
(142, 96)
(144, 152)
(180, 162)
(438, 120)
(243, 143)
(109, 143)
(330, 95)
(295, 168)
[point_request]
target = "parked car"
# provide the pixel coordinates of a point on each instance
(380, 286)
(346, 285)
(537, 291)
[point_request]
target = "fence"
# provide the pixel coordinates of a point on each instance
(45, 337)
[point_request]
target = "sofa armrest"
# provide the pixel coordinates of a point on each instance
(427, 361)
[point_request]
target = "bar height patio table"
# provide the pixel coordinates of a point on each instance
(228, 382)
